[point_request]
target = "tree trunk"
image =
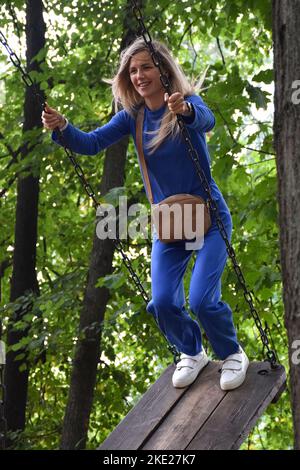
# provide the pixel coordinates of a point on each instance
(24, 278)
(88, 351)
(286, 23)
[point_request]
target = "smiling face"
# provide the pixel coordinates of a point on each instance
(145, 78)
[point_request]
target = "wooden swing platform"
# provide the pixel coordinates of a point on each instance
(201, 416)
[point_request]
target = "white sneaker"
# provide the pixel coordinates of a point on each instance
(234, 370)
(188, 368)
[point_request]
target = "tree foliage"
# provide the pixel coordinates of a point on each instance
(232, 39)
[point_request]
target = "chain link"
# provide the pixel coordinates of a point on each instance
(88, 189)
(271, 357)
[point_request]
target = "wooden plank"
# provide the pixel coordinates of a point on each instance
(201, 416)
(230, 423)
(190, 413)
(143, 419)
(279, 393)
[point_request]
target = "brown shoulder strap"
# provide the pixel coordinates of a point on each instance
(139, 144)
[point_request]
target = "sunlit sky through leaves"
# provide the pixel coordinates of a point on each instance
(58, 21)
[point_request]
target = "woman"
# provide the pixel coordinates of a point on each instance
(171, 171)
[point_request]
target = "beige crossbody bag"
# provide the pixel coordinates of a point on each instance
(177, 217)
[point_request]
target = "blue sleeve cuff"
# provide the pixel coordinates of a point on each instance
(203, 119)
(66, 131)
(66, 125)
(190, 119)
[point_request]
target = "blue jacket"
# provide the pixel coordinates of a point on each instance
(171, 170)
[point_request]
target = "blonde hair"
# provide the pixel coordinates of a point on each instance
(126, 95)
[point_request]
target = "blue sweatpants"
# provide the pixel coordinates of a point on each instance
(168, 265)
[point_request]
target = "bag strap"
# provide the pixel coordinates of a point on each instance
(139, 144)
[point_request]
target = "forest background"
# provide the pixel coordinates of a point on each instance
(231, 44)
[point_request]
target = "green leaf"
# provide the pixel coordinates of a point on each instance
(265, 76)
(258, 96)
(112, 281)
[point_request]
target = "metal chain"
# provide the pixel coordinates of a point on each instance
(16, 61)
(88, 189)
(270, 356)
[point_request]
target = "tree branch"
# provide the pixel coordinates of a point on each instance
(221, 52)
(12, 152)
(4, 265)
(184, 33)
(236, 141)
(10, 183)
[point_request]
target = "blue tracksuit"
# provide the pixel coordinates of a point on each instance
(171, 171)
